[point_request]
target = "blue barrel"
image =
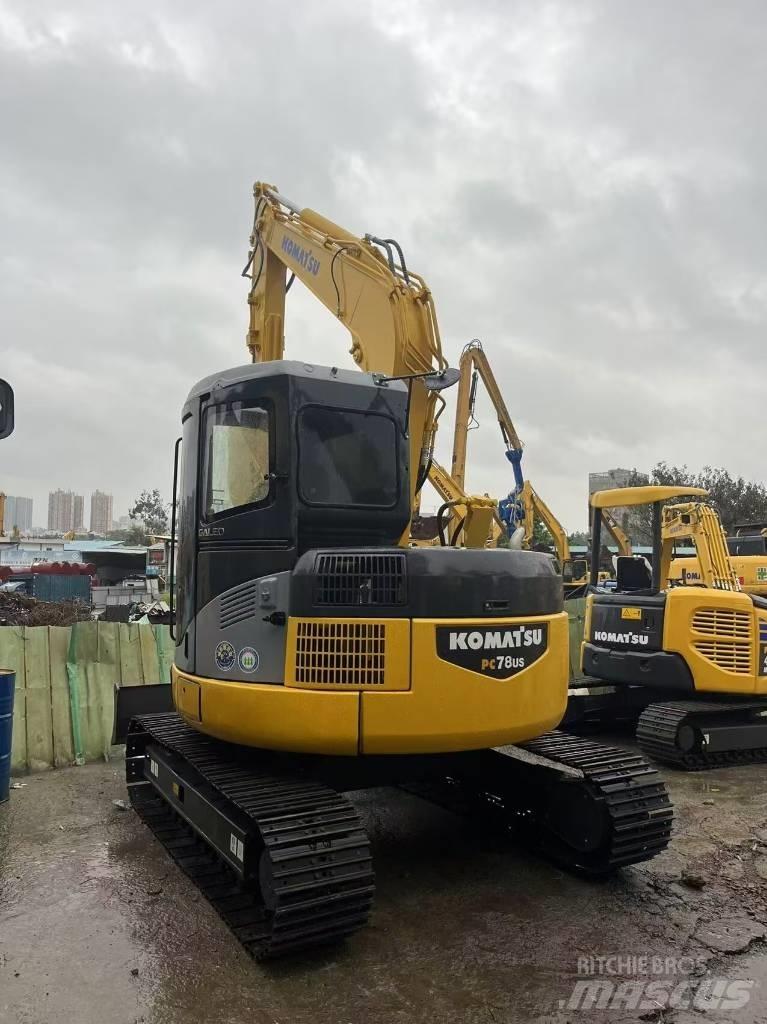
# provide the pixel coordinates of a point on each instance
(7, 685)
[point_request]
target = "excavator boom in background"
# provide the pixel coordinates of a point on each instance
(524, 505)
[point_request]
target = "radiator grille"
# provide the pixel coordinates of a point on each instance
(238, 604)
(731, 657)
(346, 653)
(723, 622)
(360, 580)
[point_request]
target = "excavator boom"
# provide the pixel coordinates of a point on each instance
(524, 505)
(387, 309)
(389, 313)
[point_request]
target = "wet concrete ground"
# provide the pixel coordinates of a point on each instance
(97, 925)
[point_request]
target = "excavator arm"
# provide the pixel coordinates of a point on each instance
(536, 508)
(702, 525)
(616, 532)
(474, 365)
(365, 283)
(525, 504)
(387, 309)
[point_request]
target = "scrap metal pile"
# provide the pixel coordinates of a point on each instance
(20, 610)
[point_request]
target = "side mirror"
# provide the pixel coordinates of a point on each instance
(6, 409)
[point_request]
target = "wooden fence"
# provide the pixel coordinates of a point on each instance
(65, 684)
(66, 678)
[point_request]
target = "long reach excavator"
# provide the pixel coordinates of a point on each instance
(318, 652)
(523, 506)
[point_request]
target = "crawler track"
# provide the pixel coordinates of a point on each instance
(591, 808)
(691, 734)
(307, 876)
(284, 858)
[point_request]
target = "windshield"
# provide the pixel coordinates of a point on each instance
(347, 458)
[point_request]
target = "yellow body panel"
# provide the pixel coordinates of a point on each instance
(717, 634)
(451, 708)
(344, 654)
(446, 708)
(274, 717)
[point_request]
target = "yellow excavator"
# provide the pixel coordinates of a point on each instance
(318, 652)
(523, 506)
(689, 660)
(748, 554)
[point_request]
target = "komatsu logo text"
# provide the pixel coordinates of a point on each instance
(499, 652)
(636, 639)
(496, 640)
(303, 256)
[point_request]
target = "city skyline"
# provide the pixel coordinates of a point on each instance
(66, 512)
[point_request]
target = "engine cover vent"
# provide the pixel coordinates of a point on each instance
(730, 657)
(346, 653)
(722, 622)
(238, 604)
(360, 580)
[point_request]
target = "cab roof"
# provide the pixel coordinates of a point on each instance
(647, 495)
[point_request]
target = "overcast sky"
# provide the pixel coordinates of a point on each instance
(581, 184)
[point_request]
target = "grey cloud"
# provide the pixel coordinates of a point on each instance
(581, 184)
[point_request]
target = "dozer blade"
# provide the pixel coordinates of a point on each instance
(130, 701)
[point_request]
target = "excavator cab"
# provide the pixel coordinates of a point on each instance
(278, 458)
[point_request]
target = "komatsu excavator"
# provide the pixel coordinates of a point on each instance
(318, 652)
(691, 658)
(523, 506)
(748, 554)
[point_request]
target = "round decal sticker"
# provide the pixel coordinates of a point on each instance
(248, 659)
(225, 656)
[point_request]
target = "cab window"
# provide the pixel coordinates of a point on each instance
(236, 460)
(347, 458)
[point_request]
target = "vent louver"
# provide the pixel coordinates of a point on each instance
(341, 653)
(360, 580)
(239, 604)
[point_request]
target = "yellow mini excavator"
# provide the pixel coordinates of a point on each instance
(748, 554)
(318, 652)
(689, 660)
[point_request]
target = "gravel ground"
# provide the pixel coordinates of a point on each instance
(97, 925)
